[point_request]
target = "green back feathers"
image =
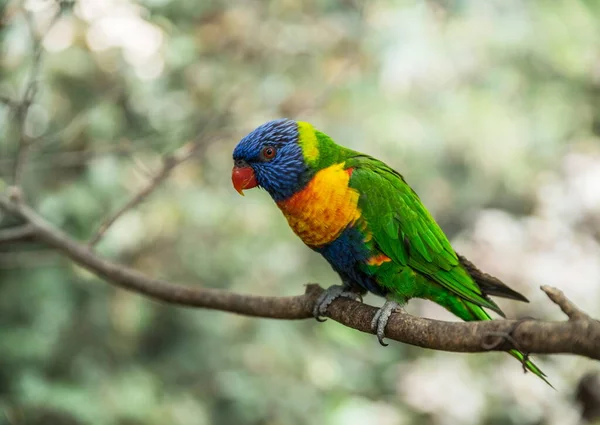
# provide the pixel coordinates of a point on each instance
(406, 232)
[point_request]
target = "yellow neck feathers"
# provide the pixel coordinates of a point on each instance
(308, 142)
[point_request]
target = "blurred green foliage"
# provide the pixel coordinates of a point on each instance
(491, 110)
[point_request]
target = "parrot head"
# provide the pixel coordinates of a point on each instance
(271, 157)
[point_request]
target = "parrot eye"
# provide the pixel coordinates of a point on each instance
(268, 153)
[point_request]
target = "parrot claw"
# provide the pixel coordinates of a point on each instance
(382, 317)
(331, 294)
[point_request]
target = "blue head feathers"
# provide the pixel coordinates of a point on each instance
(273, 152)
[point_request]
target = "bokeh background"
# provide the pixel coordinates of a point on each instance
(490, 109)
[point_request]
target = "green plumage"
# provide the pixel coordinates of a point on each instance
(405, 231)
(423, 263)
(367, 222)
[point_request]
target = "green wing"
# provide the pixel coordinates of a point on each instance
(404, 230)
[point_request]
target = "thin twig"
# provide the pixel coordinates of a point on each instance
(16, 234)
(29, 94)
(581, 337)
(168, 164)
(558, 297)
(8, 101)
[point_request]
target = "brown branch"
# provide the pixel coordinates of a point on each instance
(579, 335)
(567, 307)
(168, 164)
(16, 234)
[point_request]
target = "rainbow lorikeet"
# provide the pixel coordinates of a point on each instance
(366, 221)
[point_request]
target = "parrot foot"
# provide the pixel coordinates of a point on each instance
(508, 337)
(331, 294)
(382, 317)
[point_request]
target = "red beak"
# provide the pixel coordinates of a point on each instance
(243, 178)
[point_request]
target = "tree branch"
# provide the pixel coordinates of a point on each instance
(168, 164)
(579, 335)
(16, 234)
(567, 307)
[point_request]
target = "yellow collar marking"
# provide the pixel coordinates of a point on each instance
(308, 142)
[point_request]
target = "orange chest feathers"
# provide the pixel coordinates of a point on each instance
(324, 208)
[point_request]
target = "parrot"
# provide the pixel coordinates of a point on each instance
(367, 222)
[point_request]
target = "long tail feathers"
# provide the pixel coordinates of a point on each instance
(480, 314)
(530, 366)
(489, 284)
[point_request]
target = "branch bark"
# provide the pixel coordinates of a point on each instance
(169, 163)
(16, 234)
(579, 335)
